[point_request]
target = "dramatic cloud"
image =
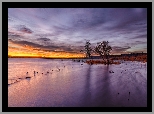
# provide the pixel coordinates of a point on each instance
(44, 39)
(67, 29)
(25, 30)
(120, 49)
(46, 47)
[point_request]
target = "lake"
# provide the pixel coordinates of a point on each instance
(65, 83)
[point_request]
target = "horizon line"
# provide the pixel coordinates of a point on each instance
(9, 56)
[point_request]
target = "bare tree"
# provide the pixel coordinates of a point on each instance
(103, 48)
(87, 49)
(98, 49)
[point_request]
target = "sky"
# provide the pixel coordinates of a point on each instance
(63, 32)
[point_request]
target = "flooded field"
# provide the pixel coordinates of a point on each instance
(65, 83)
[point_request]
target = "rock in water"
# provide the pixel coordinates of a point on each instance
(28, 77)
(111, 71)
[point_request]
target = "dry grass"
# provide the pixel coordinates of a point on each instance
(140, 58)
(101, 62)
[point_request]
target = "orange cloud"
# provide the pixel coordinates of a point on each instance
(25, 50)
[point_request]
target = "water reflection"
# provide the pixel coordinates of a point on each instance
(73, 85)
(86, 95)
(104, 97)
(96, 91)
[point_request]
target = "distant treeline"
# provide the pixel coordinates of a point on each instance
(122, 55)
(22, 57)
(92, 57)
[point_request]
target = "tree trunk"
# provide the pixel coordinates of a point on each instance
(107, 57)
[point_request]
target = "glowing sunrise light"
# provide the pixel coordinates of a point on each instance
(41, 34)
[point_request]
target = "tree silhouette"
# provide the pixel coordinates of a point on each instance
(98, 49)
(87, 49)
(103, 48)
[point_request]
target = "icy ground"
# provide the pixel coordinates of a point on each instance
(76, 84)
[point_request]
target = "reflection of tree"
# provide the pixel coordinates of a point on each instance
(87, 88)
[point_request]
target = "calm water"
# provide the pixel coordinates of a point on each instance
(69, 83)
